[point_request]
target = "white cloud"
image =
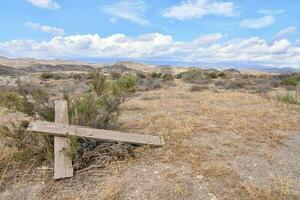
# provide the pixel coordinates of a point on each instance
(190, 9)
(258, 22)
(207, 48)
(284, 33)
(271, 12)
(131, 10)
(46, 4)
(45, 28)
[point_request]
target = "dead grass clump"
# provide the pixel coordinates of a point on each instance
(278, 190)
(112, 191)
(198, 88)
(24, 150)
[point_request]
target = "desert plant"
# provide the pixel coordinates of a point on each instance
(30, 100)
(291, 80)
(198, 88)
(98, 108)
(289, 97)
(115, 75)
(156, 75)
(211, 75)
(193, 76)
(26, 150)
(46, 75)
(167, 78)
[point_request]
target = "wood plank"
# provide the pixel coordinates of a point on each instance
(62, 163)
(71, 130)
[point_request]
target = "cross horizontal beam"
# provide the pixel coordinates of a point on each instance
(65, 130)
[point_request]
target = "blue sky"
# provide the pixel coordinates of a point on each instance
(209, 31)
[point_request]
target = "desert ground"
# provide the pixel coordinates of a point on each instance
(223, 141)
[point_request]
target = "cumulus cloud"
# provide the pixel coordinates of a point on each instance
(207, 48)
(271, 12)
(260, 22)
(46, 4)
(45, 28)
(284, 33)
(190, 9)
(131, 10)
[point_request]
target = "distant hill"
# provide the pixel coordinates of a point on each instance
(9, 71)
(28, 62)
(34, 65)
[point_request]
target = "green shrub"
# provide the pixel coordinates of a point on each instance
(149, 84)
(211, 75)
(50, 75)
(167, 78)
(291, 80)
(77, 76)
(179, 75)
(290, 98)
(193, 76)
(91, 75)
(98, 108)
(221, 74)
(47, 75)
(156, 75)
(30, 100)
(141, 75)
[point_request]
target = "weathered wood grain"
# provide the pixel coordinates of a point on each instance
(62, 163)
(100, 134)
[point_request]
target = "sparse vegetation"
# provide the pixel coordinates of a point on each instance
(291, 80)
(203, 130)
(198, 88)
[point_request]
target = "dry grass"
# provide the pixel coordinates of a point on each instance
(180, 116)
(186, 119)
(281, 188)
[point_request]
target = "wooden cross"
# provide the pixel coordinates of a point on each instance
(62, 130)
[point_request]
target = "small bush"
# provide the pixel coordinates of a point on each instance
(50, 75)
(156, 75)
(193, 76)
(47, 75)
(179, 75)
(29, 100)
(115, 75)
(91, 75)
(290, 98)
(31, 145)
(141, 75)
(77, 76)
(291, 80)
(221, 74)
(211, 75)
(99, 108)
(149, 84)
(26, 149)
(167, 78)
(198, 88)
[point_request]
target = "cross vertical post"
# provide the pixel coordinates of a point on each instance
(62, 163)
